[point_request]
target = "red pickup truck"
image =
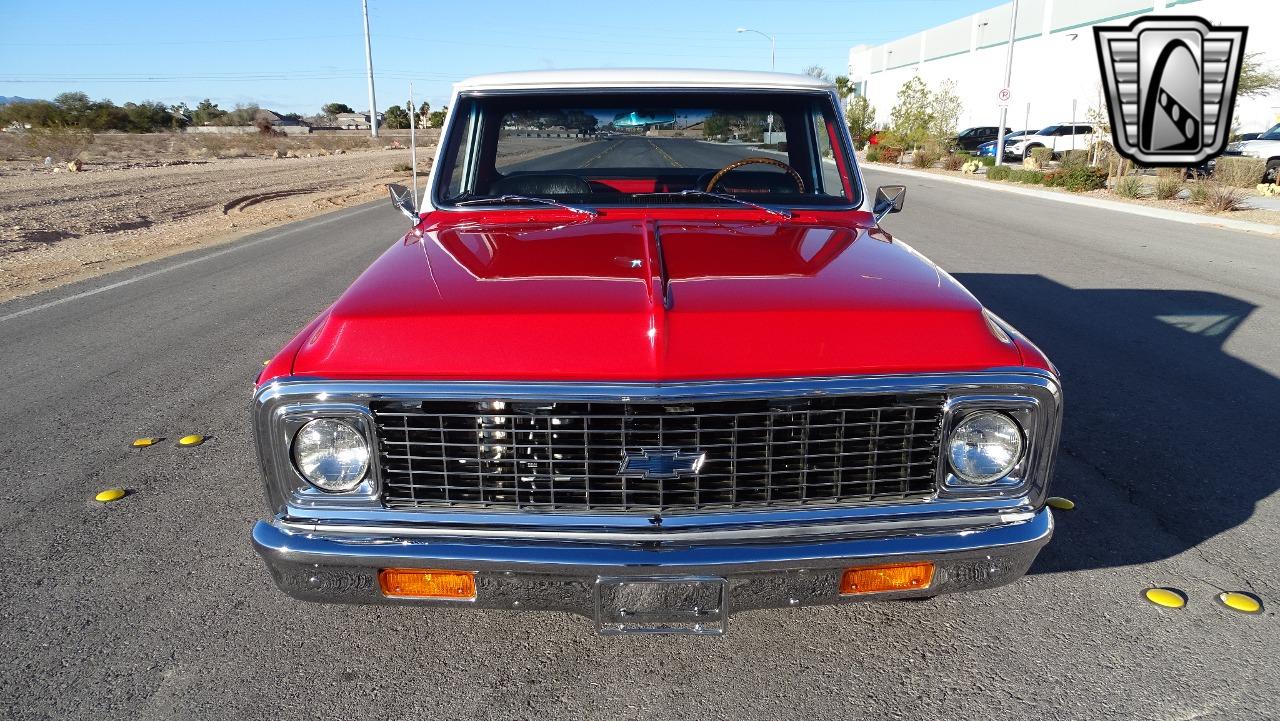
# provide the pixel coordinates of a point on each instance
(646, 354)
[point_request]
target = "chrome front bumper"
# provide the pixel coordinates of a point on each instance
(341, 564)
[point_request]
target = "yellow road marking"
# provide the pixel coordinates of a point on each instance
(609, 146)
(665, 155)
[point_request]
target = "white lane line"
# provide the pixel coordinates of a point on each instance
(120, 284)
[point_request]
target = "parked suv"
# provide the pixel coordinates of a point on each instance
(989, 147)
(1266, 147)
(971, 138)
(1059, 138)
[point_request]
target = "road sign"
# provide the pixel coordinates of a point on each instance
(1004, 95)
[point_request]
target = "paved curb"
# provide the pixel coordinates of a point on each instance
(1176, 216)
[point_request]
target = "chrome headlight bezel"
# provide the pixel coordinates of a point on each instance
(289, 420)
(1027, 414)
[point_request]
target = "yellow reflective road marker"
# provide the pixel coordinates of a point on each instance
(266, 362)
(109, 495)
(1242, 602)
(144, 442)
(1167, 597)
(191, 440)
(1058, 503)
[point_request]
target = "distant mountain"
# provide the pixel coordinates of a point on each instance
(5, 100)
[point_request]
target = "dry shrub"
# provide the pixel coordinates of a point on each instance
(925, 157)
(1168, 187)
(954, 161)
(1075, 158)
(1042, 155)
(1129, 186)
(58, 142)
(1222, 198)
(1199, 192)
(889, 154)
(1239, 172)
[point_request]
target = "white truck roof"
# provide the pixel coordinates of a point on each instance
(640, 78)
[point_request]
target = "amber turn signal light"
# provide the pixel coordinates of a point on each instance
(892, 577)
(425, 583)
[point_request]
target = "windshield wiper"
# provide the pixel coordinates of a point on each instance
(528, 199)
(723, 196)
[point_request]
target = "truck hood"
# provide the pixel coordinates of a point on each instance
(619, 298)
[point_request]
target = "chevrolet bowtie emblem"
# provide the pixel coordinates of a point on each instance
(1170, 86)
(661, 463)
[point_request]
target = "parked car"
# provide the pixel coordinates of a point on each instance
(989, 148)
(971, 138)
(1060, 138)
(1265, 146)
(652, 380)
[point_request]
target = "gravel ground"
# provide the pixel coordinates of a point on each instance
(63, 226)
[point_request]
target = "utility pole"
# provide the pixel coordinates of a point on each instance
(1008, 78)
(368, 62)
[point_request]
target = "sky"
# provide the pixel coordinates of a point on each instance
(295, 57)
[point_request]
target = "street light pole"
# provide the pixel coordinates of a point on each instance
(368, 62)
(773, 46)
(1008, 78)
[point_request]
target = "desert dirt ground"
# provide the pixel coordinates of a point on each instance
(140, 197)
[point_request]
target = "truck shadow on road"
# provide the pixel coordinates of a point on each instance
(1168, 441)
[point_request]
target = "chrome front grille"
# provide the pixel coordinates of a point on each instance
(664, 457)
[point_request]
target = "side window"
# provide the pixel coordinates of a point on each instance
(460, 152)
(828, 172)
(1083, 130)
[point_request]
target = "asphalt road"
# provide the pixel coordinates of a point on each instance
(641, 152)
(156, 607)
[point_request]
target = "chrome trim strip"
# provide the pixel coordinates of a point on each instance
(278, 546)
(757, 532)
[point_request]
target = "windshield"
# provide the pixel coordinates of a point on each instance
(687, 148)
(1272, 134)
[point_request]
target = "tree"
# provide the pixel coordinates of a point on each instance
(206, 112)
(75, 107)
(862, 118)
(910, 120)
(436, 118)
(395, 118)
(944, 111)
(844, 88)
(1255, 78)
(817, 71)
(147, 117)
(335, 108)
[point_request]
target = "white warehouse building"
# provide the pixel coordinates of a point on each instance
(1055, 63)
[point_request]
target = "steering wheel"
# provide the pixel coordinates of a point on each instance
(795, 177)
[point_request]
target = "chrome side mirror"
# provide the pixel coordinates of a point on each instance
(889, 199)
(402, 198)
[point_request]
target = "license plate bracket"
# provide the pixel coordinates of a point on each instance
(661, 604)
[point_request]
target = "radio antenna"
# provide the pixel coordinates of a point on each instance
(413, 145)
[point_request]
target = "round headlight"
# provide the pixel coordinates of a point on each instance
(984, 447)
(331, 454)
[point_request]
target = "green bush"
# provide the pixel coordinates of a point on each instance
(873, 154)
(987, 160)
(1042, 155)
(1074, 158)
(1240, 172)
(1129, 186)
(999, 172)
(1022, 175)
(1077, 179)
(1199, 192)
